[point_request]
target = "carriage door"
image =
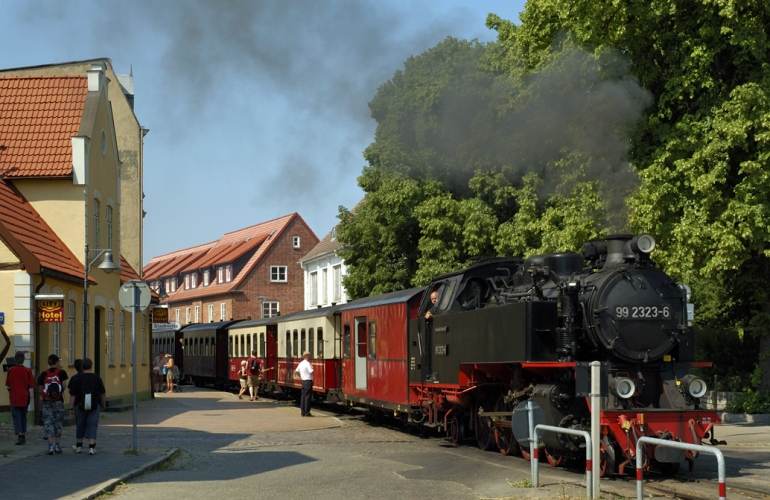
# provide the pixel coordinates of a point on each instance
(361, 345)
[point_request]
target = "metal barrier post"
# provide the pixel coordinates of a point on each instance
(585, 435)
(533, 458)
(682, 446)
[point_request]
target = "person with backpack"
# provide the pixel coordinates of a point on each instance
(87, 398)
(52, 383)
(19, 381)
(253, 381)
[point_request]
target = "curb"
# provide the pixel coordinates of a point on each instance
(741, 418)
(110, 484)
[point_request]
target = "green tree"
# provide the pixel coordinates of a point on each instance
(702, 148)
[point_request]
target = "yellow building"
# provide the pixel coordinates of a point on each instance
(61, 211)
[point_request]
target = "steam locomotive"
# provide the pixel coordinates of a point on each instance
(500, 333)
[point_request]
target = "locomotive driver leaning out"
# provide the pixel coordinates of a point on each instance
(434, 301)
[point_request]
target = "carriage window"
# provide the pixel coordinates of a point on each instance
(262, 349)
(303, 344)
(248, 346)
(320, 338)
(296, 344)
(230, 346)
(254, 343)
(361, 339)
(206, 349)
(346, 341)
(194, 347)
(372, 339)
(310, 341)
(288, 344)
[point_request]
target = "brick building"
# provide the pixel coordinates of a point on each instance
(253, 272)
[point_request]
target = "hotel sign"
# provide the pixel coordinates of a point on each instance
(159, 315)
(50, 311)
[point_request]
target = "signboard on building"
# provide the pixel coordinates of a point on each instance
(160, 327)
(50, 310)
(159, 315)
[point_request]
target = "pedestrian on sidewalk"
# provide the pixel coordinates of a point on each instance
(168, 370)
(19, 381)
(53, 383)
(157, 367)
(253, 381)
(79, 369)
(305, 370)
(87, 398)
(242, 375)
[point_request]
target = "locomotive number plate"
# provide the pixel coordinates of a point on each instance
(643, 312)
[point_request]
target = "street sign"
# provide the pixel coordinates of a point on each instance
(159, 315)
(132, 303)
(158, 327)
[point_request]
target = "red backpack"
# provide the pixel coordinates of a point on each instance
(52, 388)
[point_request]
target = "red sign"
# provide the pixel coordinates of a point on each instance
(50, 311)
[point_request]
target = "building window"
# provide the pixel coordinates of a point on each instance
(111, 337)
(334, 234)
(372, 339)
(220, 275)
(194, 280)
(186, 281)
(313, 286)
(278, 274)
(177, 316)
(295, 241)
(109, 226)
(336, 283)
(170, 285)
(222, 311)
(228, 273)
(205, 277)
(71, 332)
(269, 309)
(122, 338)
(56, 337)
(187, 315)
(211, 313)
(197, 314)
(324, 285)
(144, 339)
(96, 224)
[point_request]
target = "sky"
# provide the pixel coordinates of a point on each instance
(256, 109)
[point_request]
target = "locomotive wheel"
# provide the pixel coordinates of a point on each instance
(606, 458)
(554, 458)
(455, 429)
(525, 453)
(485, 436)
(505, 441)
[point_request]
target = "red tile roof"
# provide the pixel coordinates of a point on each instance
(25, 231)
(226, 249)
(38, 117)
(127, 272)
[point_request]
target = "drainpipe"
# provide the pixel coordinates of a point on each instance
(38, 355)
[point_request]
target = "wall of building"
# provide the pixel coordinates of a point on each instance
(289, 295)
(328, 262)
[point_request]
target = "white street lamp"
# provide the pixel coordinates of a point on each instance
(107, 266)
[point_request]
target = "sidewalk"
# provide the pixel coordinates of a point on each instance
(26, 471)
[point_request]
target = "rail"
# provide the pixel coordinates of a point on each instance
(533, 450)
(681, 446)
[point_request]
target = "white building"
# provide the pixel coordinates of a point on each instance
(324, 270)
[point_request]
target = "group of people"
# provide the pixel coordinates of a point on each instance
(163, 370)
(87, 397)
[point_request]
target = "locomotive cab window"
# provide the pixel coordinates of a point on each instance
(372, 339)
(446, 293)
(346, 341)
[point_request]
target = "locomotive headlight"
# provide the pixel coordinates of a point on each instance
(644, 243)
(622, 387)
(695, 386)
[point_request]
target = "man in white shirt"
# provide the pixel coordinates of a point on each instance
(305, 370)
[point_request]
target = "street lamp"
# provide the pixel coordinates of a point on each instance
(107, 266)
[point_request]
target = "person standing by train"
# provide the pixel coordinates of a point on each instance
(305, 370)
(253, 380)
(168, 371)
(243, 376)
(157, 368)
(19, 381)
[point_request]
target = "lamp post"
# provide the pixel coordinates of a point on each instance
(107, 266)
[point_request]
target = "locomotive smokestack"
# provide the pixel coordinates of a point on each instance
(615, 246)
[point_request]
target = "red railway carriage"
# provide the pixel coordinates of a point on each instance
(375, 361)
(248, 336)
(316, 331)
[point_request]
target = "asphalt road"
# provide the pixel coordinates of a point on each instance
(231, 448)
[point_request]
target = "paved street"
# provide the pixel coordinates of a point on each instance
(230, 447)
